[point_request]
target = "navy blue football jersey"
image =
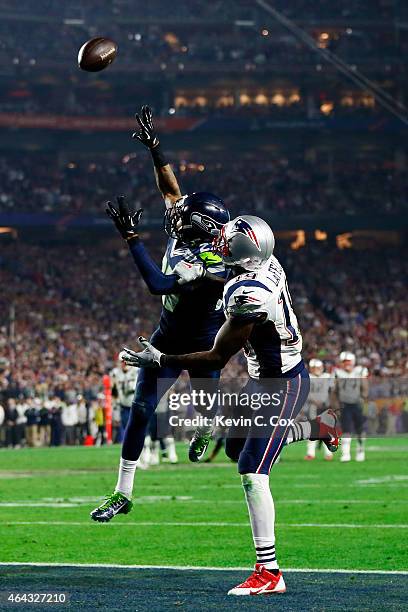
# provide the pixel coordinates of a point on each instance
(196, 314)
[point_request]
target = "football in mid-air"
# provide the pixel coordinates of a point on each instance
(96, 54)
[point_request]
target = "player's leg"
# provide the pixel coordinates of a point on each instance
(154, 441)
(151, 385)
(143, 406)
(309, 412)
(311, 450)
(207, 382)
(347, 426)
(255, 462)
(358, 420)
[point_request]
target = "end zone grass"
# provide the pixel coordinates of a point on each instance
(329, 515)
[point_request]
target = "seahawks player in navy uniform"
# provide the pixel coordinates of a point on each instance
(260, 319)
(192, 309)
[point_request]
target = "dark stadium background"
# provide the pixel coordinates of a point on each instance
(244, 109)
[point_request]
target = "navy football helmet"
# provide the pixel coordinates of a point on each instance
(197, 217)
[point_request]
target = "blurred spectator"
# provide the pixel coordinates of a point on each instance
(69, 418)
(39, 183)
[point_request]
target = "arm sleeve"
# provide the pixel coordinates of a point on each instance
(157, 282)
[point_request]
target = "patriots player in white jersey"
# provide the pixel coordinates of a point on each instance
(260, 320)
(351, 391)
(321, 387)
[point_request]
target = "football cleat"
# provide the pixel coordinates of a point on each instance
(260, 582)
(360, 456)
(199, 444)
(328, 430)
(114, 504)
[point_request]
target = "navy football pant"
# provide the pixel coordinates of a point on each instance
(256, 447)
(352, 418)
(152, 385)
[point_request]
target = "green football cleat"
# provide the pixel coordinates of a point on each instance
(199, 444)
(114, 504)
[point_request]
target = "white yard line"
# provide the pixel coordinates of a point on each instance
(199, 568)
(77, 502)
(208, 524)
(391, 478)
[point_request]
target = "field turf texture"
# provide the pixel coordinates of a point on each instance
(329, 516)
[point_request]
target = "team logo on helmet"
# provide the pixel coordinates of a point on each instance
(206, 223)
(243, 227)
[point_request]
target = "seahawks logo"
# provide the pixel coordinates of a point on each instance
(205, 223)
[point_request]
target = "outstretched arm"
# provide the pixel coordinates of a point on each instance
(187, 276)
(165, 177)
(230, 339)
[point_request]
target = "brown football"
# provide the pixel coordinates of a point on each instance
(96, 54)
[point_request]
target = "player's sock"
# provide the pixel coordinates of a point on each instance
(298, 431)
(171, 449)
(262, 516)
(311, 448)
(126, 477)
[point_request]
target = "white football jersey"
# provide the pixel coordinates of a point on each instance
(275, 344)
(320, 387)
(125, 383)
(349, 384)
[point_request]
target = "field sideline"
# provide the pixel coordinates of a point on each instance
(329, 515)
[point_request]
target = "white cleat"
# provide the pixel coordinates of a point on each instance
(360, 456)
(345, 458)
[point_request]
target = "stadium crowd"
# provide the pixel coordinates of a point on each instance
(66, 310)
(197, 10)
(222, 32)
(39, 183)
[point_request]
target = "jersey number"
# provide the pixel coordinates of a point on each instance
(288, 325)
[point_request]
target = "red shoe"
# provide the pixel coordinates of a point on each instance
(309, 458)
(329, 432)
(260, 582)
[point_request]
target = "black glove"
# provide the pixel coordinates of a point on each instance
(147, 134)
(126, 221)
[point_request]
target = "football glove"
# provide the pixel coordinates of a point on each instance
(149, 358)
(147, 134)
(188, 272)
(126, 221)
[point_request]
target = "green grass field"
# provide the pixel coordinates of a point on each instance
(329, 515)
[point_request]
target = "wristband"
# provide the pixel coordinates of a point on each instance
(134, 238)
(158, 157)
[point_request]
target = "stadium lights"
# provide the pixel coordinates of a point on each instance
(8, 230)
(319, 235)
(343, 241)
(299, 241)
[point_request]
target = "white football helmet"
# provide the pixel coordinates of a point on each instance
(246, 241)
(347, 356)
